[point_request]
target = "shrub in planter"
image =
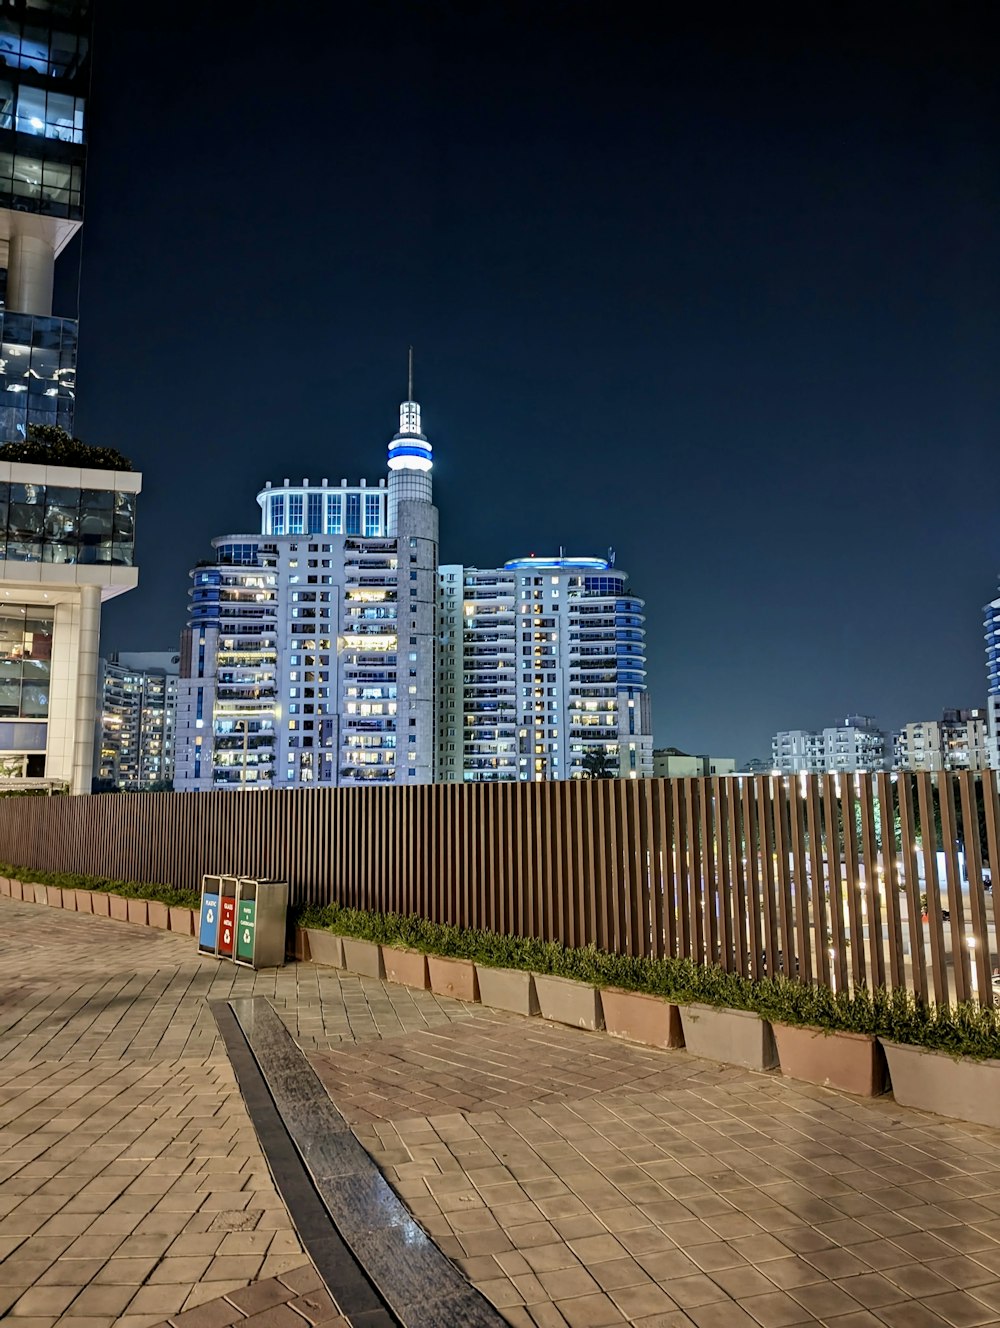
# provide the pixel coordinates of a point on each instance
(158, 914)
(639, 1017)
(181, 920)
(322, 947)
(737, 1037)
(407, 967)
(962, 1088)
(567, 1001)
(364, 957)
(943, 1059)
(507, 989)
(453, 977)
(136, 911)
(824, 1037)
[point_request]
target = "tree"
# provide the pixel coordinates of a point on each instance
(597, 764)
(50, 445)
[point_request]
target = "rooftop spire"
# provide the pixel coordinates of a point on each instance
(409, 449)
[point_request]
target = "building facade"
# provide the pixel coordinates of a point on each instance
(991, 624)
(670, 763)
(330, 648)
(137, 701)
(66, 533)
(310, 654)
(542, 673)
(959, 740)
(857, 745)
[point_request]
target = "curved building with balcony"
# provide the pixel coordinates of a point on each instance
(542, 672)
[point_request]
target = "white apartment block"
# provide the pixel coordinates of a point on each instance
(959, 740)
(310, 653)
(541, 669)
(855, 746)
(992, 635)
(670, 763)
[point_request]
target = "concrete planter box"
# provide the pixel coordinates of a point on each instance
(737, 1037)
(364, 957)
(137, 910)
(934, 1081)
(16, 889)
(119, 907)
(84, 901)
(507, 989)
(567, 1001)
(100, 904)
(322, 947)
(69, 899)
(159, 914)
(453, 977)
(181, 920)
(639, 1017)
(53, 896)
(4, 886)
(852, 1062)
(407, 967)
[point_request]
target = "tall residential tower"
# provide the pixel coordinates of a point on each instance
(310, 652)
(542, 672)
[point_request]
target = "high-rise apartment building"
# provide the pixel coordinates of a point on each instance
(956, 741)
(330, 648)
(857, 745)
(542, 672)
(991, 623)
(310, 652)
(66, 533)
(137, 701)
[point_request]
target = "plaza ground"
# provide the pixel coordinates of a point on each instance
(574, 1179)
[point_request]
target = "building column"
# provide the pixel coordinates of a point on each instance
(86, 689)
(30, 270)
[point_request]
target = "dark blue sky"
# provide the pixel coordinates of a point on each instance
(722, 293)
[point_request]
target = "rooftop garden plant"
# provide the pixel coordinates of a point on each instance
(50, 445)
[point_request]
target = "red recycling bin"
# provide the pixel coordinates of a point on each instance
(227, 925)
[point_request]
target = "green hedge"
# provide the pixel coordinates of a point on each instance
(161, 894)
(963, 1030)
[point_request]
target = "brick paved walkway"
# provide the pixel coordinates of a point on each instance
(132, 1186)
(575, 1179)
(581, 1181)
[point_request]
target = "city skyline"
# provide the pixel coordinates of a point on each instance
(721, 298)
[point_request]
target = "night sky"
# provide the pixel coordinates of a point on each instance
(720, 293)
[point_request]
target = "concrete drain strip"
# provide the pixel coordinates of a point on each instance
(384, 1244)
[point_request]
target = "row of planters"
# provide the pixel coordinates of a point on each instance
(940, 1059)
(144, 902)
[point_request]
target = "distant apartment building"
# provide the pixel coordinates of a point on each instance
(541, 672)
(137, 711)
(857, 745)
(671, 763)
(959, 740)
(991, 623)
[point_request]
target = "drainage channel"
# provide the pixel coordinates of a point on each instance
(378, 1263)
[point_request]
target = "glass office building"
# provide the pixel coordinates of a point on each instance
(67, 534)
